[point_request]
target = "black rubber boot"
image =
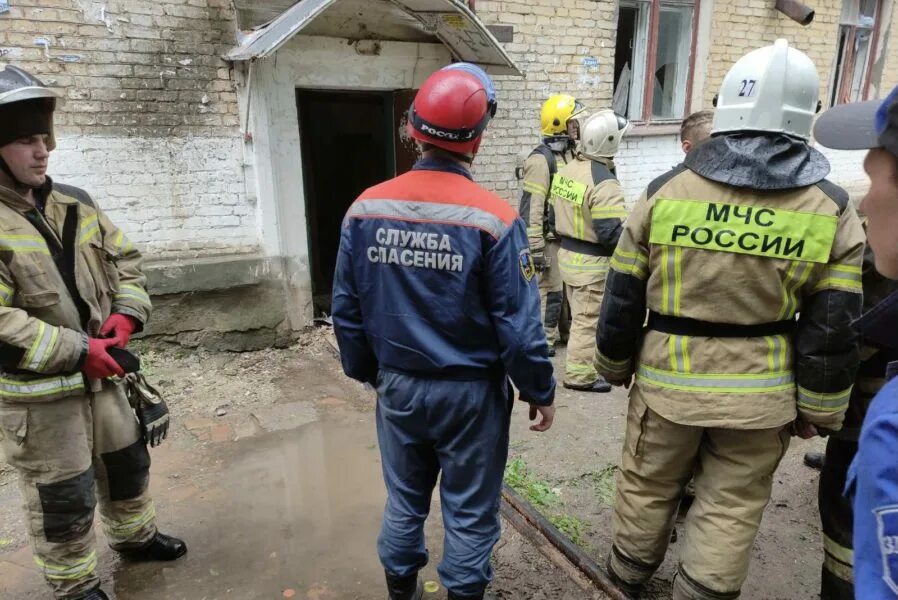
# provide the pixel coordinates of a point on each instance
(95, 594)
(161, 548)
(815, 460)
(599, 386)
(630, 590)
(404, 588)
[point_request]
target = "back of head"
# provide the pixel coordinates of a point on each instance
(451, 111)
(773, 89)
(697, 126)
(601, 134)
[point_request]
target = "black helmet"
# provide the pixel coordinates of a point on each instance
(26, 106)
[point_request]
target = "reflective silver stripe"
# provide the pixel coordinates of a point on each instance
(79, 570)
(612, 366)
(796, 277)
(38, 387)
(409, 210)
(733, 383)
(24, 243)
(679, 353)
(43, 346)
(122, 531)
(133, 292)
(833, 402)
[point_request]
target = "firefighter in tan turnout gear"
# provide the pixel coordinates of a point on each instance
(71, 289)
(559, 126)
(749, 263)
(589, 210)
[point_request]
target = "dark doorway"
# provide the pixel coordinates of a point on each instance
(347, 146)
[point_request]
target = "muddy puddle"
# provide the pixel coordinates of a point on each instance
(288, 514)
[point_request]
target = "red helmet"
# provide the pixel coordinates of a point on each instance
(450, 111)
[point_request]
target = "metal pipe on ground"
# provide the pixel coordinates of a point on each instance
(795, 10)
(571, 551)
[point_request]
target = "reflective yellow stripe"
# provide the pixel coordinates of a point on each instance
(823, 402)
(29, 388)
(535, 230)
(671, 279)
(678, 349)
(124, 530)
(630, 263)
(578, 265)
(42, 348)
(621, 367)
(754, 230)
(24, 243)
(776, 352)
(580, 368)
(79, 570)
(840, 277)
(678, 280)
(729, 383)
(89, 228)
(129, 291)
(6, 294)
(608, 212)
(843, 572)
(796, 276)
(838, 551)
(535, 188)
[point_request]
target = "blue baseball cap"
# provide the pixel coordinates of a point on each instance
(860, 125)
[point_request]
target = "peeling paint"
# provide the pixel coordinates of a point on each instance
(69, 58)
(6, 53)
(4, 6)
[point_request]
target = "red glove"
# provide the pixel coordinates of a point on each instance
(120, 327)
(99, 365)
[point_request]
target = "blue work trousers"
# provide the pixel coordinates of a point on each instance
(426, 426)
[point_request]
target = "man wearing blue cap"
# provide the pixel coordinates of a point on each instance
(872, 481)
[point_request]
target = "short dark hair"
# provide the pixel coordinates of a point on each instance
(697, 126)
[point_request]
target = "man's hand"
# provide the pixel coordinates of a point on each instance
(803, 429)
(548, 417)
(119, 327)
(539, 261)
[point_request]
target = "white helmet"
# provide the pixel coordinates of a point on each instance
(774, 88)
(600, 134)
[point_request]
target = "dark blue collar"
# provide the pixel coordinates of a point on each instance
(442, 164)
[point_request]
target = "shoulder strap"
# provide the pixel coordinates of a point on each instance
(77, 193)
(550, 158)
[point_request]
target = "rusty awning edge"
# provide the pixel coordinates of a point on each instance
(457, 27)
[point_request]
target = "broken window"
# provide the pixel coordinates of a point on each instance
(653, 58)
(854, 57)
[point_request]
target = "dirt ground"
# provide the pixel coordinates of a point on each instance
(272, 475)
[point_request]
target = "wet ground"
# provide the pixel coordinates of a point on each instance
(272, 476)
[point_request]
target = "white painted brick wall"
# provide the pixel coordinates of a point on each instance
(173, 196)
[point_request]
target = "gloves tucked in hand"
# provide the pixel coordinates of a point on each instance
(119, 327)
(152, 412)
(98, 364)
(539, 261)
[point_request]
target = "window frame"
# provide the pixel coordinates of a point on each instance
(647, 85)
(841, 82)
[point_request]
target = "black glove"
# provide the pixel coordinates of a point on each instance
(152, 412)
(539, 261)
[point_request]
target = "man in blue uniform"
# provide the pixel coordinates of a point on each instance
(436, 304)
(873, 477)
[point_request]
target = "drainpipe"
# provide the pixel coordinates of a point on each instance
(795, 10)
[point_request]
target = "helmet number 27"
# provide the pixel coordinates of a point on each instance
(748, 87)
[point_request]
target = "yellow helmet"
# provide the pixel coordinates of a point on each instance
(557, 111)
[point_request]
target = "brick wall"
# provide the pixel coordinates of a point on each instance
(151, 123)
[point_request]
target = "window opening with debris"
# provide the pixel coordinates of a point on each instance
(653, 59)
(858, 29)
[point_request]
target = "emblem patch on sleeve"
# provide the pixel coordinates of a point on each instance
(887, 526)
(528, 268)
